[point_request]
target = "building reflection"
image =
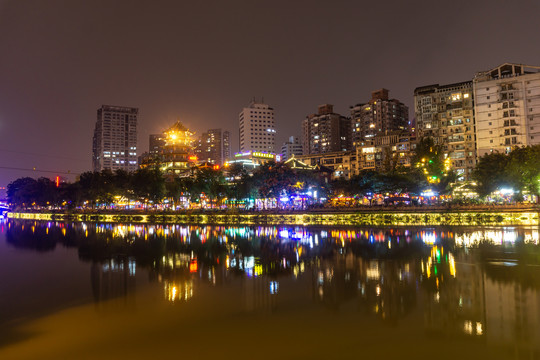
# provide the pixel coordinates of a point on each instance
(113, 278)
(512, 302)
(453, 294)
(482, 284)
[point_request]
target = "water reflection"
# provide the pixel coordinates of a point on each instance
(479, 284)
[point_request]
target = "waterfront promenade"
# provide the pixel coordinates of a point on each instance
(368, 216)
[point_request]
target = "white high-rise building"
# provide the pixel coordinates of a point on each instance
(507, 108)
(115, 138)
(257, 128)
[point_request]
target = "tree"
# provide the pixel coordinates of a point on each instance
(22, 192)
(274, 180)
(46, 192)
(490, 173)
(523, 171)
(121, 180)
(238, 184)
(429, 157)
(148, 185)
(177, 188)
(210, 182)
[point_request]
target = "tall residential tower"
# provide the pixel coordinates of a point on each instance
(325, 132)
(507, 108)
(446, 114)
(379, 116)
(257, 128)
(213, 147)
(115, 138)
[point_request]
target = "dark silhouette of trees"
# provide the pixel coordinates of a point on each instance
(518, 170)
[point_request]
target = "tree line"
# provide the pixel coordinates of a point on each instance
(149, 186)
(518, 170)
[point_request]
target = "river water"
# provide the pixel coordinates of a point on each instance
(104, 291)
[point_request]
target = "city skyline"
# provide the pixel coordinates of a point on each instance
(62, 60)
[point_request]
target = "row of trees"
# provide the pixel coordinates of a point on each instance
(518, 170)
(149, 186)
(92, 187)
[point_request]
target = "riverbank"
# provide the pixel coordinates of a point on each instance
(382, 217)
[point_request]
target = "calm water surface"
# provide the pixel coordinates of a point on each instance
(104, 291)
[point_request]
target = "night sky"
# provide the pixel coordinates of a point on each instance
(202, 61)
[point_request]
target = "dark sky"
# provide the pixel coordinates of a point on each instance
(202, 61)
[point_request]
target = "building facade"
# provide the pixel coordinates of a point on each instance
(114, 144)
(291, 147)
(226, 146)
(386, 152)
(446, 114)
(213, 147)
(325, 132)
(257, 128)
(507, 108)
(250, 160)
(342, 163)
(378, 116)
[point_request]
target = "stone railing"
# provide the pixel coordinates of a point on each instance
(358, 218)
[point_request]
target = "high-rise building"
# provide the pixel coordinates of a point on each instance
(378, 116)
(115, 138)
(446, 114)
(213, 147)
(507, 108)
(226, 146)
(325, 132)
(257, 128)
(291, 147)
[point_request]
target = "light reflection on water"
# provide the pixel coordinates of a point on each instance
(479, 284)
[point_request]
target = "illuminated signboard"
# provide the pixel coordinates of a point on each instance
(263, 155)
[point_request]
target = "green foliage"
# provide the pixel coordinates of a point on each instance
(22, 191)
(211, 183)
(518, 170)
(148, 184)
(275, 179)
(490, 173)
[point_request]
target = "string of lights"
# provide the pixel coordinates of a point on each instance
(39, 170)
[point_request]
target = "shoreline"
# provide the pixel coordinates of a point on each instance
(382, 217)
